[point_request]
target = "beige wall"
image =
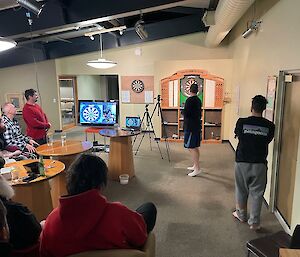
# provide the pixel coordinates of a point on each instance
(88, 87)
(159, 59)
(17, 79)
(275, 47)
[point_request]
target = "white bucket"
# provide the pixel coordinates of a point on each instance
(124, 178)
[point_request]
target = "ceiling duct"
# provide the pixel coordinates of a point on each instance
(227, 14)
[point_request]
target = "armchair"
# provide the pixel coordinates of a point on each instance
(147, 251)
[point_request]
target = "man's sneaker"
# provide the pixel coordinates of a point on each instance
(195, 173)
(191, 168)
(255, 227)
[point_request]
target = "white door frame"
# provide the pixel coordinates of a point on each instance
(278, 119)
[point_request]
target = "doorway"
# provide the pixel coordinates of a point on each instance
(68, 100)
(98, 87)
(288, 147)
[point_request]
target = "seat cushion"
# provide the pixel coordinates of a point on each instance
(111, 253)
(268, 246)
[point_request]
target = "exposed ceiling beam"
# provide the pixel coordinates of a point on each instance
(107, 18)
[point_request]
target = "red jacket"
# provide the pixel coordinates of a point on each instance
(87, 222)
(36, 121)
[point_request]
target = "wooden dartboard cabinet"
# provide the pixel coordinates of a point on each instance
(175, 91)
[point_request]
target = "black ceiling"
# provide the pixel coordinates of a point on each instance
(59, 31)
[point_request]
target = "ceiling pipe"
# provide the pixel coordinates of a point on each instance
(227, 14)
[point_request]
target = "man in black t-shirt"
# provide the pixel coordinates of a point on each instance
(192, 128)
(254, 134)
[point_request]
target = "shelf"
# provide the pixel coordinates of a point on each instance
(170, 108)
(212, 125)
(212, 108)
(170, 124)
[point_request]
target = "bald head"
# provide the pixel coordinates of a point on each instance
(9, 109)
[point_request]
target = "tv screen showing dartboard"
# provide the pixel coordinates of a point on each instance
(98, 113)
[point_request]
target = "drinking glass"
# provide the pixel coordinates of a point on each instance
(14, 174)
(50, 140)
(63, 138)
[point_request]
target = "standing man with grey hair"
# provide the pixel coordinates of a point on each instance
(35, 118)
(254, 134)
(192, 128)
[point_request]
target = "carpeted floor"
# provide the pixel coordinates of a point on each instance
(194, 214)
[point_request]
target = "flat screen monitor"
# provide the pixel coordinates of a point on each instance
(98, 113)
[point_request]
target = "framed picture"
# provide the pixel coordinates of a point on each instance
(271, 94)
(17, 99)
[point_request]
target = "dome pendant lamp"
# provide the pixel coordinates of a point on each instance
(101, 63)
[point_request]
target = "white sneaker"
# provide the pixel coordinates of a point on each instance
(191, 168)
(195, 173)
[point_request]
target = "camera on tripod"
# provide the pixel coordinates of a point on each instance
(150, 128)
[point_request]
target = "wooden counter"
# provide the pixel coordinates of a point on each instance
(289, 252)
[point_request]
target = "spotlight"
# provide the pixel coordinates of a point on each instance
(32, 6)
(253, 27)
(140, 29)
(92, 38)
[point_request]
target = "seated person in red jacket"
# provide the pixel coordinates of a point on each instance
(34, 117)
(85, 220)
(24, 229)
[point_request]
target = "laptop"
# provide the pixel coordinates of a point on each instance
(132, 123)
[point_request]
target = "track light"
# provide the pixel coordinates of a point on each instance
(31, 5)
(253, 27)
(140, 29)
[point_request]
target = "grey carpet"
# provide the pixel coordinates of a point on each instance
(194, 214)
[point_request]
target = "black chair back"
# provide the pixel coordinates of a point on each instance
(295, 242)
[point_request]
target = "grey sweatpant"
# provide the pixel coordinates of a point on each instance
(250, 178)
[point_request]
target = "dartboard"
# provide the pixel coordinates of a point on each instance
(91, 113)
(137, 86)
(187, 81)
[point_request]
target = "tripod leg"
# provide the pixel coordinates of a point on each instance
(148, 124)
(140, 143)
(141, 123)
(152, 127)
(164, 132)
(146, 115)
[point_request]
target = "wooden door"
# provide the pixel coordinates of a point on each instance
(289, 149)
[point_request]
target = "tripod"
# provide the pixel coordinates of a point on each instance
(150, 127)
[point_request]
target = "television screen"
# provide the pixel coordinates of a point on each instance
(97, 113)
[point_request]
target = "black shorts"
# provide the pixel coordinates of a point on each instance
(192, 139)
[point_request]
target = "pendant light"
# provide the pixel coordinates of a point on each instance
(6, 44)
(101, 63)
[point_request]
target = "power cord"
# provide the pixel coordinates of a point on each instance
(30, 21)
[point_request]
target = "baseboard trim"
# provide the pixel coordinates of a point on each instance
(282, 222)
(228, 141)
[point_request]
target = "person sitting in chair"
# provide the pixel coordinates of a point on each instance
(4, 153)
(13, 136)
(85, 220)
(24, 228)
